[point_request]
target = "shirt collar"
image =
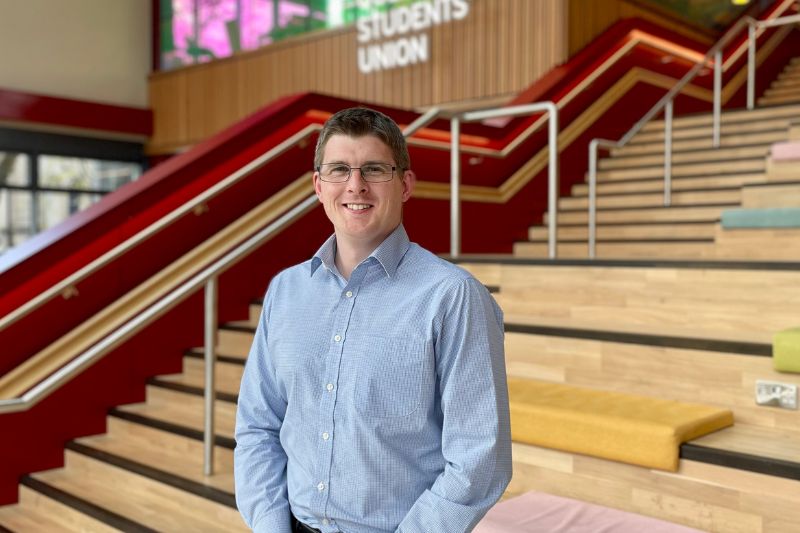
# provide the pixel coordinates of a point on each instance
(388, 253)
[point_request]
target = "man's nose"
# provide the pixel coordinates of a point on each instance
(356, 182)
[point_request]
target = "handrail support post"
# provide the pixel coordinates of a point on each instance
(668, 154)
(552, 182)
(455, 187)
(210, 335)
(717, 97)
(592, 197)
(751, 65)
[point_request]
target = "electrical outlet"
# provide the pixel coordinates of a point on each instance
(782, 395)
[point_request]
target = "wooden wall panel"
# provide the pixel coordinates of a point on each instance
(500, 48)
(589, 18)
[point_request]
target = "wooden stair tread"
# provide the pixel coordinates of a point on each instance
(138, 498)
(726, 117)
(183, 409)
(37, 512)
(780, 444)
(612, 325)
(158, 449)
(228, 375)
(701, 142)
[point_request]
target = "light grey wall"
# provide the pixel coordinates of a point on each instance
(96, 50)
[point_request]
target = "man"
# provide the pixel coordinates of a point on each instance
(374, 398)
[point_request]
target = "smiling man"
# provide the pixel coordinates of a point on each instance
(374, 398)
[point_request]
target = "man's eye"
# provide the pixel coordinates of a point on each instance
(340, 169)
(372, 169)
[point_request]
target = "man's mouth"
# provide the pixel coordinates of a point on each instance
(357, 207)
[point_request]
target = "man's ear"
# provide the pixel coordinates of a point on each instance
(317, 186)
(409, 182)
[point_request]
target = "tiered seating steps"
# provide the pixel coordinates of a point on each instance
(632, 221)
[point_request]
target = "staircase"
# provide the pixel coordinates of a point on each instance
(786, 89)
(632, 221)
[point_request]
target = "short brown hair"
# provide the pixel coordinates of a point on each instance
(361, 121)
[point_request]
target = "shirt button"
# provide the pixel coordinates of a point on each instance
(337, 338)
(329, 387)
(349, 294)
(321, 486)
(325, 521)
(325, 436)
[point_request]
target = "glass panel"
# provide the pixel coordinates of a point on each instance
(77, 173)
(14, 169)
(21, 218)
(54, 207)
(16, 213)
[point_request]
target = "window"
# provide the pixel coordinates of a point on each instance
(39, 191)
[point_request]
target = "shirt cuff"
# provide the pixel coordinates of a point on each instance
(275, 522)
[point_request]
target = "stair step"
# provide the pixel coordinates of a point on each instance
(228, 376)
(792, 90)
(648, 214)
(235, 338)
(678, 184)
(755, 448)
(152, 504)
(787, 82)
(734, 116)
(182, 410)
(778, 99)
(713, 297)
(655, 199)
(704, 142)
(667, 249)
(704, 230)
(706, 130)
(686, 169)
(38, 512)
(709, 154)
(789, 74)
(168, 456)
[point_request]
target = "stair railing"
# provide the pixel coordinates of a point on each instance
(552, 167)
(665, 104)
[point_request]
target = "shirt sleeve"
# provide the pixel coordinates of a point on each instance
(259, 458)
(476, 432)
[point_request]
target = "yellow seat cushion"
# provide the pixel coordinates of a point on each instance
(633, 429)
(786, 350)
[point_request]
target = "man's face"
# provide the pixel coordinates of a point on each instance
(362, 213)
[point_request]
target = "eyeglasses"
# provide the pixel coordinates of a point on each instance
(371, 172)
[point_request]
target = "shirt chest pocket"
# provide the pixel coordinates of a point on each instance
(392, 376)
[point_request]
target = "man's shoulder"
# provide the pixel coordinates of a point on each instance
(425, 264)
(293, 274)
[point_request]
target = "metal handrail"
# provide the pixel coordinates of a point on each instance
(90, 356)
(666, 104)
(552, 171)
(423, 120)
(152, 229)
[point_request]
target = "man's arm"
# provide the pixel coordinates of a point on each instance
(476, 434)
(259, 458)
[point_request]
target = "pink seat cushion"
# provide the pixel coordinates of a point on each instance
(786, 151)
(537, 512)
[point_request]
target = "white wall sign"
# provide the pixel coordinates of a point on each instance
(393, 36)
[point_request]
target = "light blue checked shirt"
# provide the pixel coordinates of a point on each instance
(377, 404)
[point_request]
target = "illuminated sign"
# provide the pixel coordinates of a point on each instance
(391, 33)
